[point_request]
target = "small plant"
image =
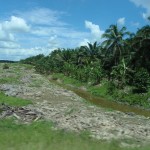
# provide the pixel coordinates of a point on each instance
(5, 66)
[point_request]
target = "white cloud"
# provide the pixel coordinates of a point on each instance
(43, 16)
(45, 33)
(146, 15)
(6, 36)
(53, 42)
(39, 50)
(95, 30)
(94, 35)
(144, 4)
(8, 29)
(16, 24)
(21, 53)
(68, 37)
(58, 31)
(9, 45)
(121, 21)
(41, 31)
(84, 42)
(136, 24)
(62, 37)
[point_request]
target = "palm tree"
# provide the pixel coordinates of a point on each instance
(92, 50)
(114, 42)
(80, 57)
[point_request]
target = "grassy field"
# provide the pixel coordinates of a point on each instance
(41, 136)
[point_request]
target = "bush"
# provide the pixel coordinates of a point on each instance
(111, 88)
(136, 99)
(5, 66)
(141, 81)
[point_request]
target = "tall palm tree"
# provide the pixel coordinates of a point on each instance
(114, 42)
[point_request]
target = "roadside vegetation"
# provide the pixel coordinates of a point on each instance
(40, 135)
(118, 68)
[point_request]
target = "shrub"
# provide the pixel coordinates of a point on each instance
(141, 81)
(5, 66)
(136, 99)
(111, 88)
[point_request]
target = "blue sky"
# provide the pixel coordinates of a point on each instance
(31, 27)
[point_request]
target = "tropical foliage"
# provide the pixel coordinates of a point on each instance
(122, 59)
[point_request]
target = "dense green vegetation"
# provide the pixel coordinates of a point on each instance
(121, 64)
(41, 136)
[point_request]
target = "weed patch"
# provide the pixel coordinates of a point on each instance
(13, 101)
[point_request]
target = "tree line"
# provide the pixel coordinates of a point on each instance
(123, 59)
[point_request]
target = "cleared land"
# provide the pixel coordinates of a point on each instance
(68, 112)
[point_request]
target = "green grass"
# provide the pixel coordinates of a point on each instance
(67, 80)
(98, 90)
(13, 101)
(27, 66)
(40, 136)
(17, 67)
(137, 99)
(120, 96)
(9, 80)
